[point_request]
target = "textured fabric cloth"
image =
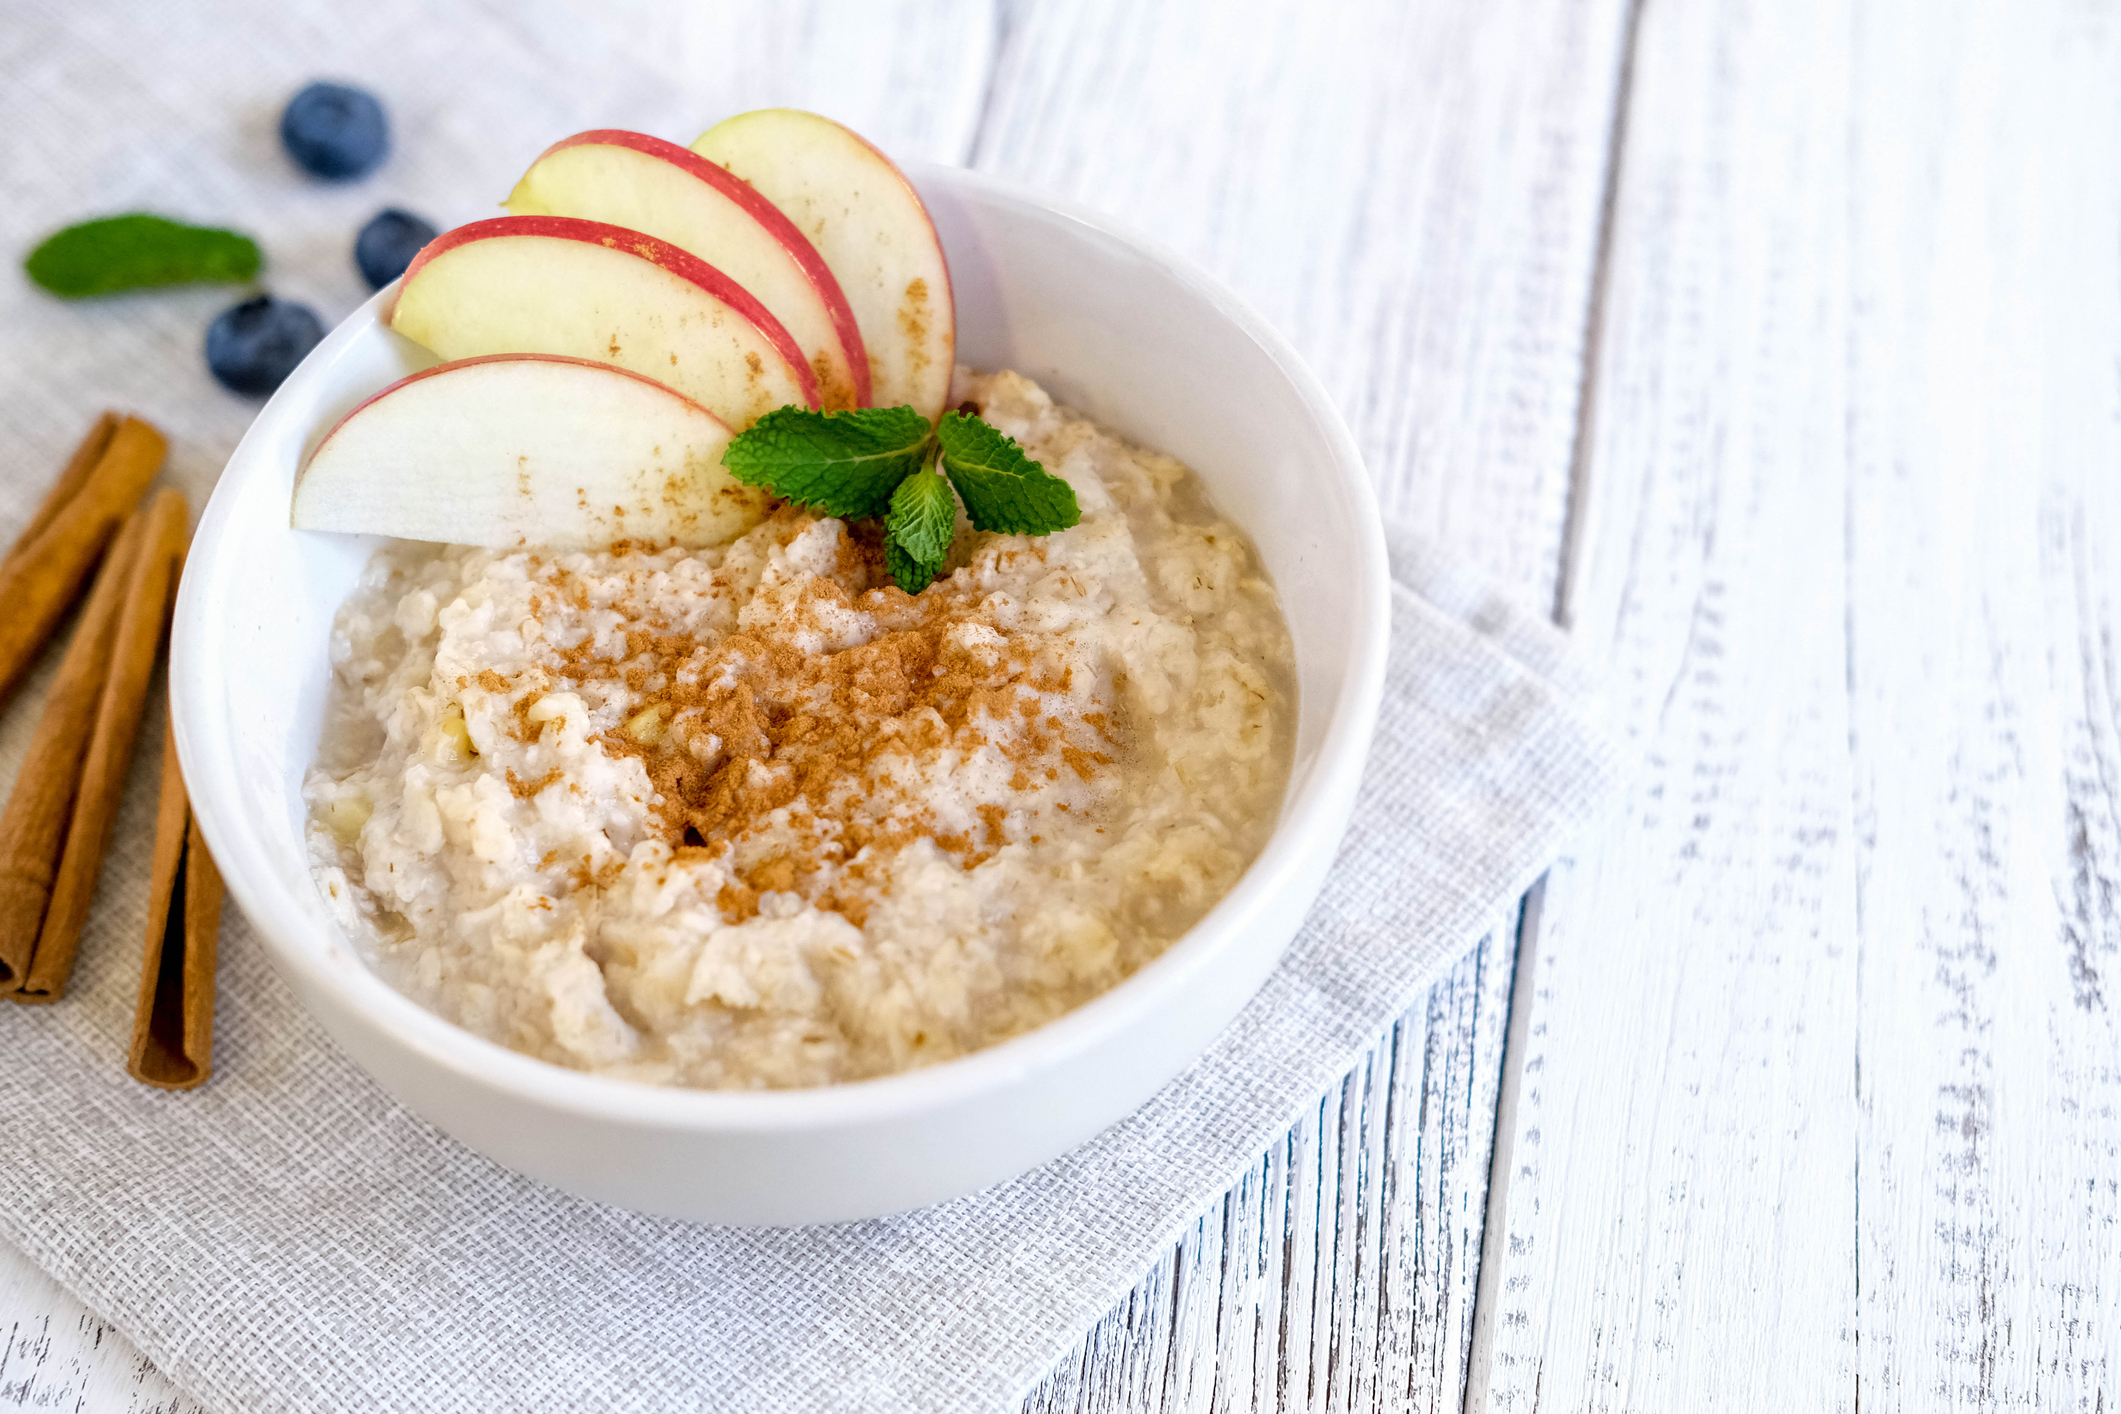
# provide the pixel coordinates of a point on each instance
(288, 1237)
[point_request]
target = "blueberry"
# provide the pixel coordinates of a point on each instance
(256, 344)
(335, 132)
(388, 243)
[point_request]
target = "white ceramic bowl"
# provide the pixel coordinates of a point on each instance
(1126, 332)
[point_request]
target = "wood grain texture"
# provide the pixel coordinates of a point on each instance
(909, 77)
(1339, 1273)
(1681, 1176)
(1410, 191)
(1819, 1104)
(1985, 548)
(55, 1355)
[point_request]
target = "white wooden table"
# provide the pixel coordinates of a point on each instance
(1777, 345)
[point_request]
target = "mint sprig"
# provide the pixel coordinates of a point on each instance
(846, 464)
(886, 462)
(1002, 488)
(137, 252)
(917, 532)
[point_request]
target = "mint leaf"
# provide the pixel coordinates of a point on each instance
(136, 252)
(846, 464)
(917, 532)
(886, 462)
(1003, 489)
(907, 573)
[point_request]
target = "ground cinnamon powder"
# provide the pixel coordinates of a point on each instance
(757, 738)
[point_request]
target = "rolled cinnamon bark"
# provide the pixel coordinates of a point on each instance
(33, 826)
(173, 1021)
(149, 589)
(40, 578)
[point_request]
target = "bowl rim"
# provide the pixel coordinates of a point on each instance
(197, 646)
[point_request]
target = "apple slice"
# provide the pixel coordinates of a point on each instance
(646, 184)
(582, 289)
(864, 217)
(527, 449)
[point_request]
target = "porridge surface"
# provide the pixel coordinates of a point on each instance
(752, 817)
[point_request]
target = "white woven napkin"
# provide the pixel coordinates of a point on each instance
(288, 1238)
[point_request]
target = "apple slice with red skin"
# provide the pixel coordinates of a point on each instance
(865, 218)
(510, 450)
(582, 289)
(646, 184)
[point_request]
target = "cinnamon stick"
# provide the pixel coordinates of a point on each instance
(149, 589)
(70, 482)
(33, 827)
(173, 1021)
(40, 578)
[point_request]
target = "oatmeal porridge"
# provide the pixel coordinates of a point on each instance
(752, 817)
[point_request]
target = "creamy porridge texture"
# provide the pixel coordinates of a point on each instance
(752, 817)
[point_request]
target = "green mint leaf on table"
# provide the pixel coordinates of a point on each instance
(1002, 488)
(918, 530)
(846, 464)
(137, 252)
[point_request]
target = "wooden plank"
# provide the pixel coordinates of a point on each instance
(1409, 191)
(1339, 1272)
(55, 1355)
(1985, 542)
(1681, 1167)
(910, 78)
(1818, 1104)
